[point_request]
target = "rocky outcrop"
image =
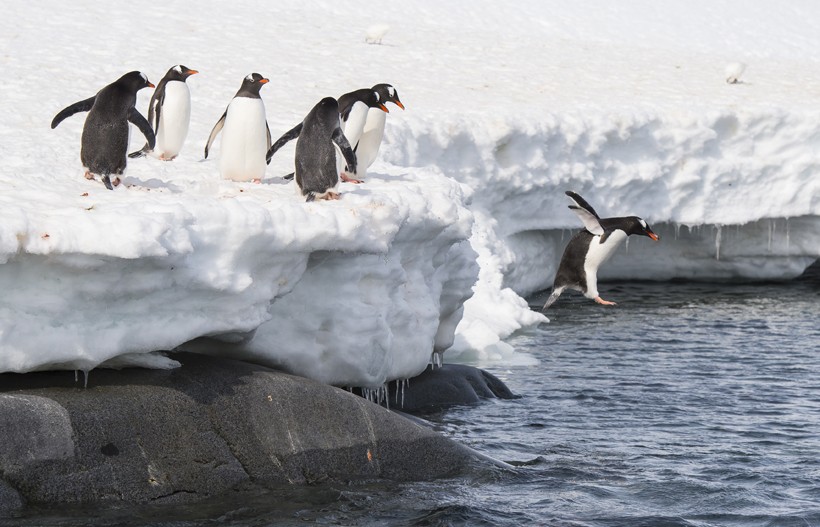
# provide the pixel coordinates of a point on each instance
(447, 385)
(213, 425)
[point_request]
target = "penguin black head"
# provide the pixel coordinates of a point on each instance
(328, 108)
(388, 93)
(134, 81)
(179, 73)
(251, 86)
(636, 225)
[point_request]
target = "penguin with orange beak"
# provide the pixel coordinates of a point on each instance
(104, 142)
(169, 113)
(590, 248)
(245, 134)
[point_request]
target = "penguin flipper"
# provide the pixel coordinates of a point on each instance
(217, 128)
(584, 210)
(287, 137)
(341, 141)
(155, 105)
(77, 107)
(136, 118)
(267, 134)
(140, 153)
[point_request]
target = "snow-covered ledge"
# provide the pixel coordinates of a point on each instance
(354, 292)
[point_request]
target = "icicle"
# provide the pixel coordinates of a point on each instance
(787, 237)
(717, 242)
(436, 360)
(677, 230)
(627, 245)
(771, 234)
(85, 378)
(76, 378)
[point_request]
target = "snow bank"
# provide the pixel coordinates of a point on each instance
(508, 106)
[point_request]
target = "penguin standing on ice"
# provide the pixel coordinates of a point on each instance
(354, 107)
(245, 133)
(373, 132)
(590, 248)
(104, 142)
(316, 173)
(169, 113)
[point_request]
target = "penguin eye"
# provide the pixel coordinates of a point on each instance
(643, 223)
(250, 78)
(377, 96)
(178, 69)
(391, 91)
(144, 77)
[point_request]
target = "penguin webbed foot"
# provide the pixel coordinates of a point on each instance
(604, 302)
(347, 179)
(107, 182)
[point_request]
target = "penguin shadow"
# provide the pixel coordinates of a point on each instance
(151, 184)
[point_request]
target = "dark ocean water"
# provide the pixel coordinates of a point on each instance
(686, 405)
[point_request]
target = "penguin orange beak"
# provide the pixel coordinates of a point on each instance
(399, 104)
(193, 72)
(264, 81)
(653, 236)
(151, 85)
(384, 108)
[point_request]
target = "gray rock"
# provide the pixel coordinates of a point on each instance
(211, 426)
(447, 385)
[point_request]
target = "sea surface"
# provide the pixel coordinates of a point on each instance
(688, 404)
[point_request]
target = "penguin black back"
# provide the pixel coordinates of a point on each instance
(104, 140)
(316, 172)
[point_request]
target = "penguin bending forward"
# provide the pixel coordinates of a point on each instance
(354, 109)
(245, 133)
(316, 173)
(590, 248)
(373, 132)
(169, 113)
(104, 142)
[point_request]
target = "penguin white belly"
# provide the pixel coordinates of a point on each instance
(174, 118)
(371, 140)
(597, 254)
(352, 129)
(244, 140)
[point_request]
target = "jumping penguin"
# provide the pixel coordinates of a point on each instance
(354, 108)
(245, 133)
(104, 142)
(316, 173)
(590, 248)
(169, 113)
(373, 132)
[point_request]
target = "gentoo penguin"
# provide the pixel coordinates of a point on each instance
(169, 113)
(371, 139)
(590, 248)
(245, 133)
(353, 110)
(316, 173)
(104, 141)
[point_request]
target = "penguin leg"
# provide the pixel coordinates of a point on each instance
(604, 302)
(347, 179)
(553, 297)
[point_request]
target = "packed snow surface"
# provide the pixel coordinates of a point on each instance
(508, 106)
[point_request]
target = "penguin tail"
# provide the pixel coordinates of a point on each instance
(107, 182)
(311, 196)
(553, 297)
(288, 176)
